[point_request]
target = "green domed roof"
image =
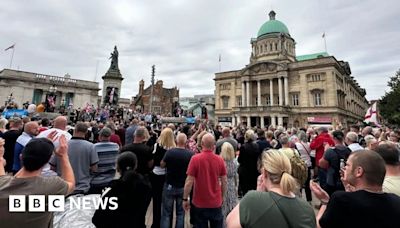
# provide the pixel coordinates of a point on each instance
(272, 26)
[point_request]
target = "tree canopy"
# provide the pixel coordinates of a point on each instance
(389, 105)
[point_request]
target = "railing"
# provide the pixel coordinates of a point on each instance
(262, 109)
(55, 79)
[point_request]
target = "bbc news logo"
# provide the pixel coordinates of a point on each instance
(55, 203)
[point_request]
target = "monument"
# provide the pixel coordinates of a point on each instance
(112, 82)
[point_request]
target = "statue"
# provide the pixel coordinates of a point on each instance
(114, 59)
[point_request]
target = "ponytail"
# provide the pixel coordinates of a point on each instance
(288, 183)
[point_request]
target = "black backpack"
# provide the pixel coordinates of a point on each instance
(340, 154)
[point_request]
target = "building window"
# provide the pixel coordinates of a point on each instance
(225, 102)
(239, 101)
(315, 77)
(317, 99)
(268, 100)
(256, 100)
(295, 99)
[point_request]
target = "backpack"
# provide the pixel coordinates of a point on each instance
(299, 168)
(336, 175)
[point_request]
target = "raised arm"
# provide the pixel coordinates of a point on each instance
(66, 170)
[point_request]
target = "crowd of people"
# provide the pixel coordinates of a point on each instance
(220, 176)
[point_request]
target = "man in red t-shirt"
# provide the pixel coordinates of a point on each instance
(207, 172)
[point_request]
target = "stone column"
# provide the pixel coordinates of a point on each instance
(248, 93)
(286, 90)
(273, 121)
(262, 121)
(258, 92)
(243, 93)
(233, 120)
(248, 121)
(280, 121)
(271, 91)
(280, 91)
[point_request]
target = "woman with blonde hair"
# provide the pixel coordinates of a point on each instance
(3, 123)
(231, 199)
(274, 204)
(165, 142)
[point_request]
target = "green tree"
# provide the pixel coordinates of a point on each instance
(389, 105)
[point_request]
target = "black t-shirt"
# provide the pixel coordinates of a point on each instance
(362, 209)
(143, 154)
(10, 137)
(177, 160)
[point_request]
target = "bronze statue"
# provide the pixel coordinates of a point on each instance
(114, 59)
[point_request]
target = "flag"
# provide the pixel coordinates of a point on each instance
(11, 47)
(323, 35)
(371, 115)
(219, 59)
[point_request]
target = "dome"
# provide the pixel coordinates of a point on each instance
(272, 26)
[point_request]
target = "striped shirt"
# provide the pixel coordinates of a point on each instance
(107, 152)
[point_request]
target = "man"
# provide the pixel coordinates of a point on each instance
(208, 171)
(142, 151)
(29, 182)
(226, 137)
(107, 152)
(262, 142)
(331, 162)
(176, 161)
(390, 155)
(367, 206)
(318, 144)
(31, 130)
(352, 142)
(10, 138)
(83, 159)
(130, 131)
(44, 124)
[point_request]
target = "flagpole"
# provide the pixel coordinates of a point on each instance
(12, 56)
(326, 50)
(219, 62)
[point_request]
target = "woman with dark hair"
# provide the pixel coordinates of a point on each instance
(248, 157)
(133, 193)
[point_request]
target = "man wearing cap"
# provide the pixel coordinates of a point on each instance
(107, 152)
(29, 182)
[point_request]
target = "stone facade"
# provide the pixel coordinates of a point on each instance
(164, 99)
(279, 88)
(33, 87)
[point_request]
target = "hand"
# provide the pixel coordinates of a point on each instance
(326, 146)
(52, 136)
(62, 150)
(2, 142)
(186, 205)
(260, 184)
(319, 192)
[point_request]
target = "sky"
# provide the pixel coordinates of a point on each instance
(184, 38)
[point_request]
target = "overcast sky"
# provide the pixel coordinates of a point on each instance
(184, 38)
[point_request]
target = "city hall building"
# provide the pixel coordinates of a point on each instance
(279, 88)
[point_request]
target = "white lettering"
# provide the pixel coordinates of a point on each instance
(114, 202)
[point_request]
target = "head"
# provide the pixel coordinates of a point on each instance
(351, 138)
(126, 162)
(208, 142)
(302, 136)
(80, 129)
(226, 132)
(166, 138)
(355, 128)
(139, 135)
(16, 123)
(371, 142)
(269, 135)
(3, 123)
(31, 128)
(111, 126)
(227, 151)
(390, 153)
(364, 168)
(181, 139)
(105, 134)
(394, 136)
(322, 130)
(60, 123)
(338, 137)
(249, 136)
(284, 140)
(36, 154)
(260, 133)
(366, 131)
(172, 126)
(276, 168)
(45, 122)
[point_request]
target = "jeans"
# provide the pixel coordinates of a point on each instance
(171, 194)
(204, 215)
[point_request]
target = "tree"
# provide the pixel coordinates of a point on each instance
(389, 105)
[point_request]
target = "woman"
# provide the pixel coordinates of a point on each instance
(230, 200)
(248, 157)
(304, 149)
(165, 142)
(273, 204)
(3, 123)
(133, 194)
(370, 142)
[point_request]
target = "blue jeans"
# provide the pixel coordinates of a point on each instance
(171, 194)
(204, 215)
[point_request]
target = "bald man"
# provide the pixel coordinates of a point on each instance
(31, 130)
(226, 137)
(206, 169)
(176, 160)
